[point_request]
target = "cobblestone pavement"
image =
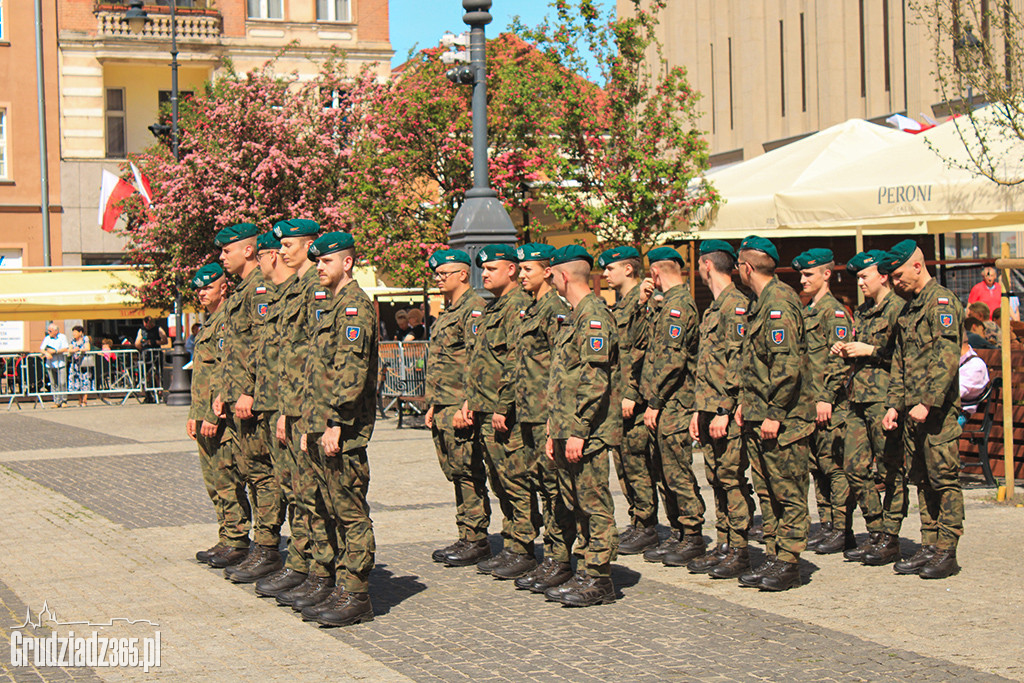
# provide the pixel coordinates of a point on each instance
(104, 507)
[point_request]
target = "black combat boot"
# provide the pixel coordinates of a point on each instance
(756, 533)
(516, 565)
(526, 580)
(838, 540)
(594, 590)
(555, 593)
(229, 557)
(319, 588)
(626, 533)
(692, 546)
(656, 553)
(559, 573)
(857, 554)
(783, 576)
(203, 556)
(885, 551)
(640, 540)
(438, 555)
(470, 553)
(251, 556)
(754, 576)
(734, 564)
(289, 596)
(347, 609)
(824, 529)
(942, 565)
(704, 563)
(913, 564)
(312, 612)
(267, 562)
(488, 565)
(279, 582)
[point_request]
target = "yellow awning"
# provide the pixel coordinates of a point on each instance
(63, 293)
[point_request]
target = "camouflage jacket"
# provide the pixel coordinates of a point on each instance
(721, 334)
(268, 349)
(245, 311)
(301, 308)
(875, 324)
(667, 379)
(535, 339)
(341, 369)
(206, 354)
(825, 323)
(631, 319)
(584, 396)
(926, 360)
(448, 355)
(490, 383)
(773, 359)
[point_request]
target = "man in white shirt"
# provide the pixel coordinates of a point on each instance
(974, 379)
(54, 349)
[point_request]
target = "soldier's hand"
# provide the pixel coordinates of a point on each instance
(918, 413)
(498, 422)
(458, 421)
(281, 430)
(770, 430)
(549, 449)
(646, 289)
(574, 449)
(857, 350)
(891, 420)
(651, 418)
(208, 429)
(628, 407)
(243, 407)
(190, 429)
(467, 415)
(428, 419)
(694, 428)
(824, 413)
(719, 426)
(739, 415)
(302, 443)
(331, 441)
(219, 408)
(838, 349)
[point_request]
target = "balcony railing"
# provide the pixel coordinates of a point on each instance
(198, 28)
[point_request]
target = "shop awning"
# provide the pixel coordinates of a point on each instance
(62, 293)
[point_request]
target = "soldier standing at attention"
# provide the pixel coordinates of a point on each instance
(725, 459)
(924, 395)
(869, 448)
(668, 386)
(826, 323)
(236, 386)
(775, 413)
(223, 482)
(490, 407)
(537, 334)
(446, 380)
(623, 270)
(584, 402)
(339, 410)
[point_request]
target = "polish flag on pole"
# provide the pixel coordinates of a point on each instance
(142, 185)
(112, 190)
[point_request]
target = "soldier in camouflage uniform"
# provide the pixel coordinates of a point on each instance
(826, 323)
(633, 460)
(668, 384)
(446, 380)
(584, 401)
(491, 406)
(223, 482)
(924, 395)
(235, 386)
(725, 459)
(339, 411)
(775, 413)
(869, 448)
(537, 332)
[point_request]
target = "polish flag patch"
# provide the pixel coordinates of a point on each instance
(675, 313)
(261, 290)
(476, 314)
(943, 300)
(319, 296)
(351, 310)
(775, 315)
(741, 311)
(595, 324)
(840, 314)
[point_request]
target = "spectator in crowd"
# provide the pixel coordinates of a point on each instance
(417, 331)
(975, 330)
(190, 343)
(992, 331)
(402, 320)
(54, 349)
(988, 291)
(80, 371)
(150, 335)
(974, 380)
(979, 310)
(107, 356)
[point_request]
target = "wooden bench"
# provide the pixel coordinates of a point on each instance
(981, 444)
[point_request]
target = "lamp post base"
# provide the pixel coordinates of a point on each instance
(481, 220)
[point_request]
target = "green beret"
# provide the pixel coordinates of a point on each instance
(760, 244)
(268, 240)
(296, 227)
(812, 258)
(443, 256)
(664, 254)
(864, 259)
(328, 243)
(571, 252)
(205, 275)
(496, 252)
(897, 256)
(617, 254)
(711, 246)
(234, 233)
(532, 251)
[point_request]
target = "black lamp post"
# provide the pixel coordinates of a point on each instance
(969, 48)
(179, 393)
(482, 218)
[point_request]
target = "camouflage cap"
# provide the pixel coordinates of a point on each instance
(864, 259)
(761, 244)
(664, 254)
(496, 252)
(268, 241)
(897, 256)
(535, 252)
(571, 252)
(235, 233)
(205, 275)
(443, 256)
(812, 258)
(329, 243)
(609, 256)
(296, 227)
(711, 246)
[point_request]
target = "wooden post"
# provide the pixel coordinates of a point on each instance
(693, 266)
(859, 245)
(1004, 329)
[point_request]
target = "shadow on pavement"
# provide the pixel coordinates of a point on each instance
(388, 589)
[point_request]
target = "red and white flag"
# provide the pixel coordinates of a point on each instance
(142, 185)
(112, 190)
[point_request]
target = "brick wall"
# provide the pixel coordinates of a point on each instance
(233, 12)
(372, 16)
(76, 15)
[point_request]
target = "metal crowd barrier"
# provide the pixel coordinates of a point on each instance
(403, 377)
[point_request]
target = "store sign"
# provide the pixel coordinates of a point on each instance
(12, 332)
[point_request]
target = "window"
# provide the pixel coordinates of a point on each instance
(803, 65)
(1, 19)
(732, 120)
(266, 9)
(3, 143)
(116, 143)
(863, 60)
(332, 10)
(885, 44)
(782, 65)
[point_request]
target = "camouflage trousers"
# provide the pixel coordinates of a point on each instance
(558, 520)
(310, 507)
(673, 462)
(725, 465)
(509, 467)
(875, 465)
(635, 471)
(584, 487)
(463, 466)
(285, 472)
(933, 457)
(226, 488)
(831, 488)
(780, 474)
(345, 480)
(252, 457)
